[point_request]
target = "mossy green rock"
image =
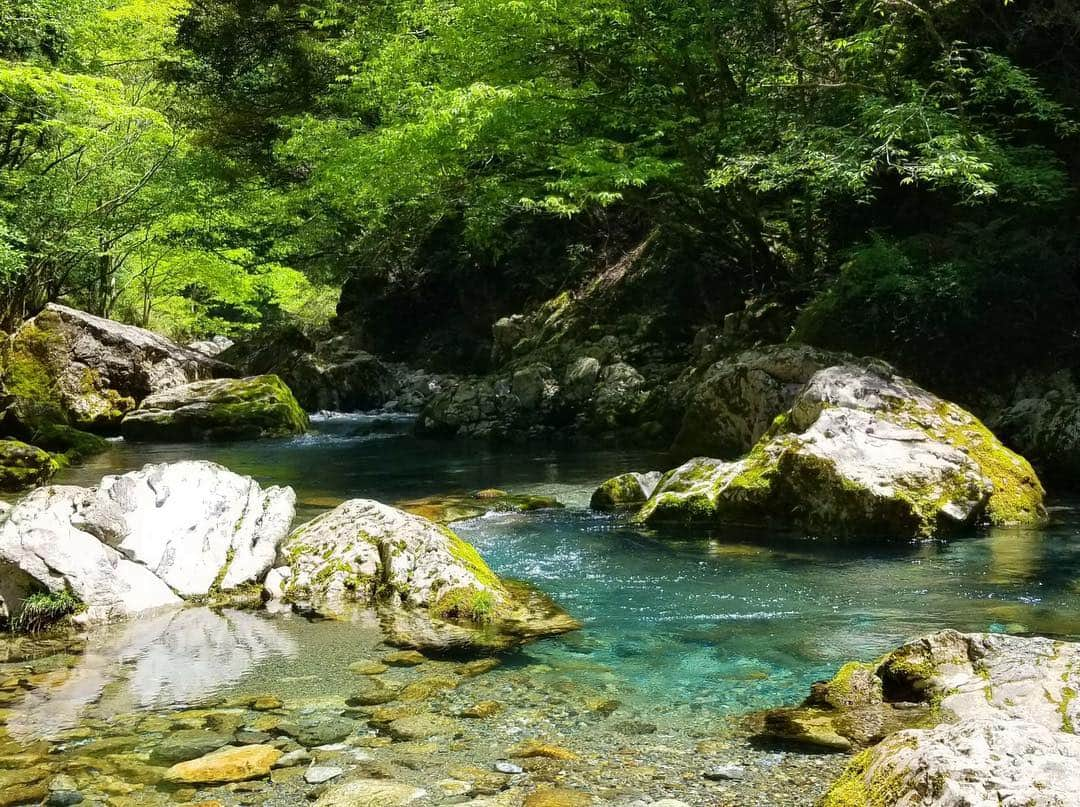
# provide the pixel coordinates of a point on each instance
(73, 443)
(24, 466)
(218, 409)
(861, 451)
(67, 366)
(624, 490)
(998, 725)
(429, 588)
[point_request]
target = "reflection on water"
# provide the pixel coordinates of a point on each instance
(159, 660)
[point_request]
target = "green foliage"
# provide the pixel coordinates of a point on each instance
(977, 304)
(222, 165)
(41, 610)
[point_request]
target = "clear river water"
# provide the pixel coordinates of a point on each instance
(687, 632)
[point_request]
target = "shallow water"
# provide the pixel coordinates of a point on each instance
(683, 630)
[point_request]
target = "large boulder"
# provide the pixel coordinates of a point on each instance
(47, 546)
(732, 402)
(142, 540)
(218, 409)
(68, 365)
(860, 451)
(432, 589)
(23, 466)
(1043, 422)
(196, 525)
(997, 724)
(327, 372)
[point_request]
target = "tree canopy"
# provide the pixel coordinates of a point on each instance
(211, 163)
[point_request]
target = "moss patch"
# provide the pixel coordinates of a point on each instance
(467, 604)
(74, 444)
(466, 554)
(24, 466)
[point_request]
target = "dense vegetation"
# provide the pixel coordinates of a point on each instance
(903, 172)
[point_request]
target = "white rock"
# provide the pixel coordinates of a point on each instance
(1010, 710)
(143, 540)
(275, 582)
(44, 544)
(317, 774)
(361, 544)
(188, 521)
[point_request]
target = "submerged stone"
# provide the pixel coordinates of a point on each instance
(447, 508)
(218, 409)
(187, 744)
(229, 764)
(370, 793)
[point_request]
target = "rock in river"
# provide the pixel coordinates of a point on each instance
(1001, 730)
(433, 589)
(624, 490)
(860, 451)
(218, 409)
(138, 540)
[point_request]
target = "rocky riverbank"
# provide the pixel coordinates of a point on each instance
(363, 725)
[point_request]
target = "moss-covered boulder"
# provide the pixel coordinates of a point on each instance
(68, 366)
(73, 444)
(860, 451)
(624, 490)
(218, 409)
(997, 724)
(430, 589)
(24, 466)
(450, 507)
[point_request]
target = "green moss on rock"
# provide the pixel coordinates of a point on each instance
(24, 466)
(218, 409)
(73, 443)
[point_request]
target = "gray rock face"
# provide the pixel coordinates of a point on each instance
(580, 379)
(860, 451)
(734, 401)
(1043, 422)
(619, 396)
(333, 373)
(97, 369)
(214, 346)
(142, 540)
(218, 409)
(1007, 737)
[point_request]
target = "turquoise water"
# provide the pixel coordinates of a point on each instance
(721, 623)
